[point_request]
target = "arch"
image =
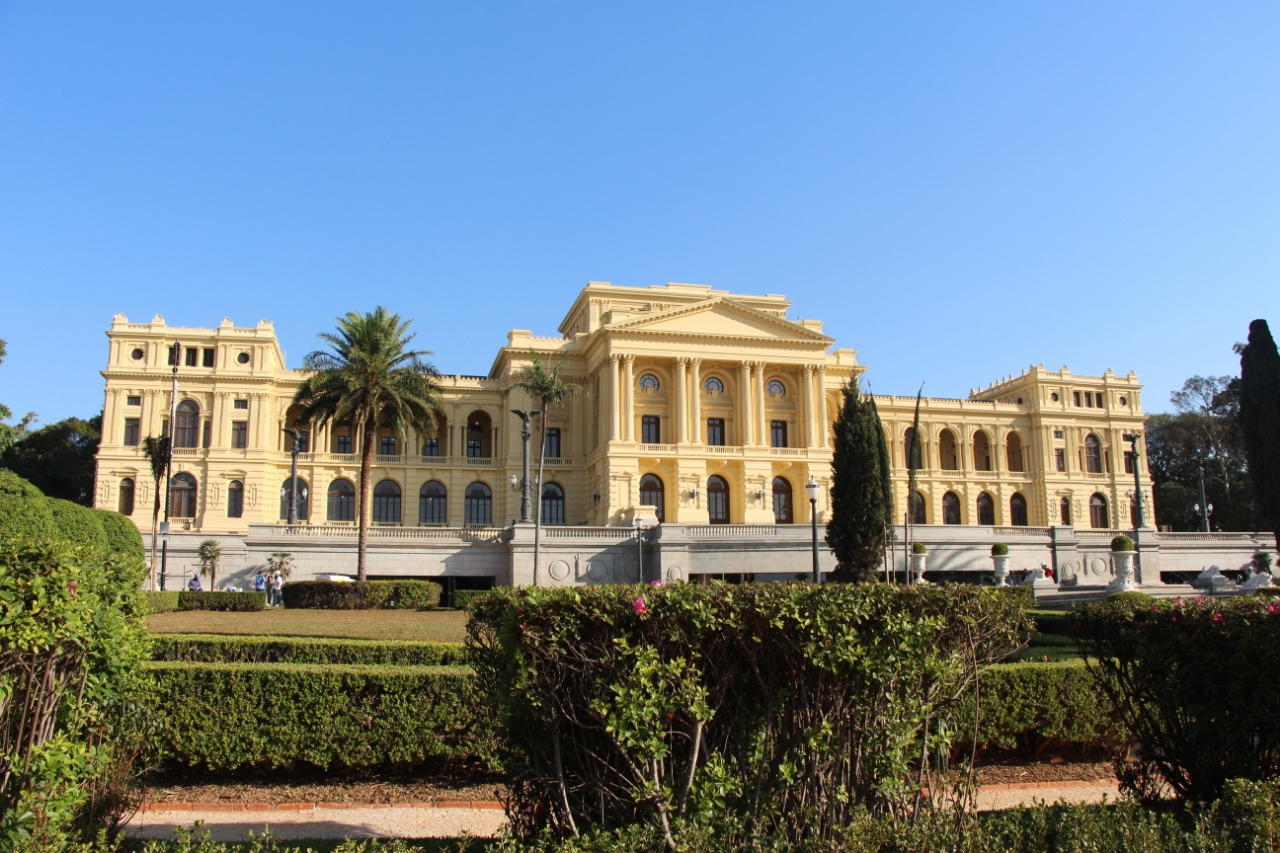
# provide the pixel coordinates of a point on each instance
(433, 503)
(552, 504)
(918, 509)
(182, 502)
(653, 493)
(126, 496)
(1092, 455)
(342, 500)
(1099, 518)
(1018, 510)
(478, 505)
(948, 451)
(479, 435)
(981, 451)
(304, 499)
(950, 508)
(186, 425)
(910, 448)
(986, 509)
(1013, 455)
(783, 505)
(1064, 511)
(386, 502)
(235, 499)
(717, 500)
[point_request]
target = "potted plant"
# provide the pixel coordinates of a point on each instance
(1000, 560)
(1122, 560)
(919, 555)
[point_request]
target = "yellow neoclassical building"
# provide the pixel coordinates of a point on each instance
(697, 406)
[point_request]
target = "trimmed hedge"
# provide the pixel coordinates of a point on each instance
(236, 602)
(122, 534)
(78, 524)
(161, 602)
(276, 716)
(24, 511)
(362, 595)
(218, 648)
(463, 599)
(1052, 622)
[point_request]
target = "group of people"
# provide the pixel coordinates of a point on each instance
(272, 586)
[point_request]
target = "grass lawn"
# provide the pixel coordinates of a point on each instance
(443, 626)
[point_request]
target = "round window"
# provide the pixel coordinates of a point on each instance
(777, 389)
(137, 354)
(1054, 396)
(713, 385)
(648, 382)
(1124, 401)
(243, 358)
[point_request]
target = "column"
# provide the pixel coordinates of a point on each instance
(820, 373)
(762, 425)
(696, 424)
(629, 398)
(615, 413)
(805, 422)
(682, 412)
(745, 416)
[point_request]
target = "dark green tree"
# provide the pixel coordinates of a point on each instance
(157, 452)
(370, 378)
(9, 433)
(58, 459)
(1260, 418)
(860, 506)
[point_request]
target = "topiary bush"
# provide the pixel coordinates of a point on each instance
(78, 524)
(1121, 543)
(24, 510)
(999, 550)
(122, 534)
(464, 599)
(234, 602)
(218, 648)
(160, 602)
(1130, 598)
(362, 595)
(919, 548)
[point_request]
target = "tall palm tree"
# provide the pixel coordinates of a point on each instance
(370, 378)
(157, 452)
(551, 390)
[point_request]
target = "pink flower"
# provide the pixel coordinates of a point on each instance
(1218, 618)
(655, 583)
(71, 587)
(639, 606)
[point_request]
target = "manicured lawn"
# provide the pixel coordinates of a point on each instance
(444, 626)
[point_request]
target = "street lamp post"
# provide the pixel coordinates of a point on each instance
(168, 465)
(812, 490)
(1204, 507)
(293, 477)
(525, 434)
(1133, 438)
(640, 528)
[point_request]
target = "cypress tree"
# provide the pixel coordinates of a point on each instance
(859, 489)
(1260, 418)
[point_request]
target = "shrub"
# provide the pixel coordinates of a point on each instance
(1052, 622)
(122, 534)
(24, 510)
(78, 524)
(999, 550)
(465, 599)
(362, 595)
(1130, 598)
(160, 602)
(1024, 595)
(1261, 562)
(1121, 543)
(235, 602)
(273, 716)
(218, 648)
(1208, 719)
(625, 704)
(919, 548)
(1267, 591)
(403, 595)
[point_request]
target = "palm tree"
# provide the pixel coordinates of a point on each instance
(370, 378)
(551, 390)
(157, 452)
(210, 552)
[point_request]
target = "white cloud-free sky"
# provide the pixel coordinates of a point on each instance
(958, 190)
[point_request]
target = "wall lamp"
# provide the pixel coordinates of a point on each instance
(595, 497)
(759, 494)
(693, 493)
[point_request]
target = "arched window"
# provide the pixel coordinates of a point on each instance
(386, 502)
(783, 511)
(917, 508)
(186, 426)
(1064, 508)
(912, 452)
(948, 457)
(713, 385)
(652, 493)
(776, 388)
(432, 504)
(649, 382)
(950, 508)
(304, 499)
(1013, 452)
(552, 504)
(1093, 455)
(981, 452)
(717, 500)
(1018, 510)
(235, 499)
(478, 505)
(1098, 516)
(183, 502)
(126, 496)
(986, 509)
(342, 501)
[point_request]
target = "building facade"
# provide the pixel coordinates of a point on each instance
(697, 407)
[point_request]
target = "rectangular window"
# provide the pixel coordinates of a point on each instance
(1057, 433)
(208, 357)
(473, 448)
(650, 429)
(387, 445)
(132, 431)
(715, 432)
(1099, 397)
(1060, 459)
(133, 401)
(304, 441)
(1088, 400)
(778, 433)
(1075, 397)
(431, 447)
(1128, 461)
(206, 434)
(173, 356)
(192, 356)
(243, 405)
(239, 435)
(553, 442)
(343, 445)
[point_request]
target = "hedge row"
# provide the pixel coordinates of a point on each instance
(464, 598)
(161, 602)
(235, 602)
(278, 716)
(362, 595)
(26, 512)
(218, 648)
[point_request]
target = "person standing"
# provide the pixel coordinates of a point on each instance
(277, 587)
(259, 582)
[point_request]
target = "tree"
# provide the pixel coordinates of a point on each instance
(370, 378)
(9, 433)
(1260, 418)
(282, 562)
(210, 552)
(551, 390)
(913, 468)
(157, 452)
(860, 509)
(59, 458)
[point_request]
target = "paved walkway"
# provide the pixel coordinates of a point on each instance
(448, 819)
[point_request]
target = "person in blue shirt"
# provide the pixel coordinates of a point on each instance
(194, 583)
(259, 582)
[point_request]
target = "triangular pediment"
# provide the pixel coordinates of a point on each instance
(721, 318)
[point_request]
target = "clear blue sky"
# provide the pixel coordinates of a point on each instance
(957, 189)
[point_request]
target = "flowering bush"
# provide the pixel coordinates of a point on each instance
(1194, 684)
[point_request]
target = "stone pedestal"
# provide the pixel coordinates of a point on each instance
(918, 562)
(1000, 571)
(1122, 561)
